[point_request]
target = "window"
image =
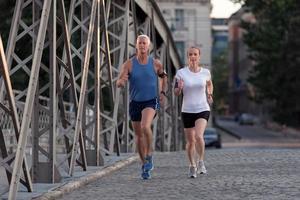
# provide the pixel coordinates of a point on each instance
(180, 49)
(179, 17)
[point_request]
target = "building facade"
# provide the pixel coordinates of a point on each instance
(219, 35)
(190, 23)
(240, 90)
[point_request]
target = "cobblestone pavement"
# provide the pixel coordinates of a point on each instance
(233, 174)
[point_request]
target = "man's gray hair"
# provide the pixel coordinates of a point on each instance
(144, 36)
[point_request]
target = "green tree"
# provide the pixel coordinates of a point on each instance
(274, 45)
(220, 75)
(6, 13)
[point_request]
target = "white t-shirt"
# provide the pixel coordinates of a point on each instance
(194, 89)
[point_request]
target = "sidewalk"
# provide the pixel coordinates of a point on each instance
(258, 135)
(69, 184)
(233, 174)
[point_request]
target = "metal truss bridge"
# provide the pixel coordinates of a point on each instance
(59, 105)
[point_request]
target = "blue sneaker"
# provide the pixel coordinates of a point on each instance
(145, 174)
(149, 163)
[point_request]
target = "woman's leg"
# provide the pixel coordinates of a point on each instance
(200, 126)
(190, 144)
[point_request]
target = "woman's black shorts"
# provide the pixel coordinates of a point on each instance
(189, 119)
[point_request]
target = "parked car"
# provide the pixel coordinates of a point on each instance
(246, 119)
(212, 138)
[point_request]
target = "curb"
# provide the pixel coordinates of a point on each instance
(71, 186)
(227, 131)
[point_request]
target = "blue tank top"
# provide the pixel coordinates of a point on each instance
(142, 81)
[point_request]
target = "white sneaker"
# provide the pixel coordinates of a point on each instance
(193, 172)
(201, 168)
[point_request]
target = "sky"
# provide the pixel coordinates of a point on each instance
(223, 8)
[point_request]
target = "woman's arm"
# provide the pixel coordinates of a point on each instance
(163, 78)
(209, 90)
(178, 86)
(209, 87)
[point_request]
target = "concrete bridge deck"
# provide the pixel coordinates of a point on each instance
(243, 169)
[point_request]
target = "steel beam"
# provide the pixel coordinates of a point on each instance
(78, 125)
(12, 112)
(20, 153)
(80, 104)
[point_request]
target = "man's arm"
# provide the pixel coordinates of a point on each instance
(124, 73)
(163, 77)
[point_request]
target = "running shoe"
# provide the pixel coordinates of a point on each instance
(149, 163)
(145, 174)
(193, 172)
(201, 167)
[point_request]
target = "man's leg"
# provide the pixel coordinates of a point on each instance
(136, 116)
(139, 139)
(140, 143)
(147, 118)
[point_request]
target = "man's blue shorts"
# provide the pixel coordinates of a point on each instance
(136, 108)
